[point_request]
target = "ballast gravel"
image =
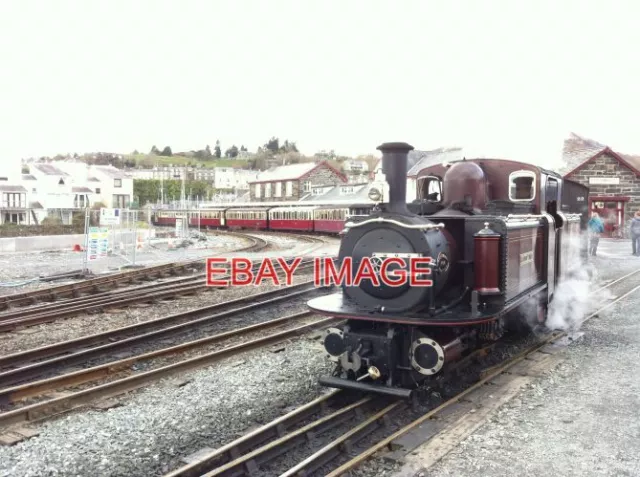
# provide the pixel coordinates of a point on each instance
(153, 430)
(580, 419)
(88, 324)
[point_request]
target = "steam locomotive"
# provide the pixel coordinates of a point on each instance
(501, 235)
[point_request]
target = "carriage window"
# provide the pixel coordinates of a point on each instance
(522, 186)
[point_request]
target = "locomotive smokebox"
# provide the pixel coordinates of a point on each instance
(395, 157)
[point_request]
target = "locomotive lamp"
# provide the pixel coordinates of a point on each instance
(375, 195)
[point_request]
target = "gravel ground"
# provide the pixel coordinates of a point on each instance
(148, 435)
(27, 267)
(544, 432)
(581, 418)
(88, 324)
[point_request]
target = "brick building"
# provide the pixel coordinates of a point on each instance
(613, 179)
(293, 182)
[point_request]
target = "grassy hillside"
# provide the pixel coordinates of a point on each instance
(145, 160)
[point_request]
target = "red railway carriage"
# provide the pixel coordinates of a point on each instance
(330, 219)
(210, 218)
(291, 218)
(164, 217)
(247, 218)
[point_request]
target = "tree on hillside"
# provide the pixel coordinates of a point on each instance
(272, 145)
(135, 152)
(243, 149)
(207, 151)
(217, 150)
(288, 146)
(231, 152)
(166, 151)
(154, 151)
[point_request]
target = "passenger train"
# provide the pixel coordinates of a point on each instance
(321, 217)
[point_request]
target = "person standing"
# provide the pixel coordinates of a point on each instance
(596, 227)
(634, 231)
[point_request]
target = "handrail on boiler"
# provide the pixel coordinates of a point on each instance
(394, 222)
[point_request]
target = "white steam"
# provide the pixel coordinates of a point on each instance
(577, 294)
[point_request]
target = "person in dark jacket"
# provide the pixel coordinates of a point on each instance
(596, 227)
(634, 232)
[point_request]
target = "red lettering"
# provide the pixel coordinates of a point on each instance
(401, 273)
(370, 273)
(338, 278)
(414, 281)
(267, 270)
(317, 279)
(289, 269)
(211, 271)
(237, 270)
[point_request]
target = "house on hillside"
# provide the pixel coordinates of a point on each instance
(14, 207)
(612, 177)
(52, 189)
(112, 187)
(293, 182)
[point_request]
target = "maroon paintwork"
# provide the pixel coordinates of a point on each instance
(525, 260)
(462, 180)
(487, 262)
(250, 224)
(165, 220)
(291, 224)
(496, 179)
(330, 226)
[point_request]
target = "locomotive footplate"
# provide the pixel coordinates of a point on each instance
(340, 307)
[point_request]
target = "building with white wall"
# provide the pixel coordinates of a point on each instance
(112, 187)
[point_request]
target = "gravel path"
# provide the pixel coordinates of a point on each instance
(582, 418)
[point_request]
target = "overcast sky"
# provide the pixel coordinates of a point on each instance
(503, 78)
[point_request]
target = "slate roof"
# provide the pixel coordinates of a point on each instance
(112, 172)
(49, 169)
(36, 205)
(285, 173)
(359, 194)
(436, 156)
(28, 177)
(81, 189)
(577, 150)
(12, 188)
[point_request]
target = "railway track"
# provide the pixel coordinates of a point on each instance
(132, 356)
(101, 284)
(149, 293)
(344, 429)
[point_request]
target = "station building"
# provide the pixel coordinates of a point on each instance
(612, 177)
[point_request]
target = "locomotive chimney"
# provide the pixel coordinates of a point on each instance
(395, 157)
